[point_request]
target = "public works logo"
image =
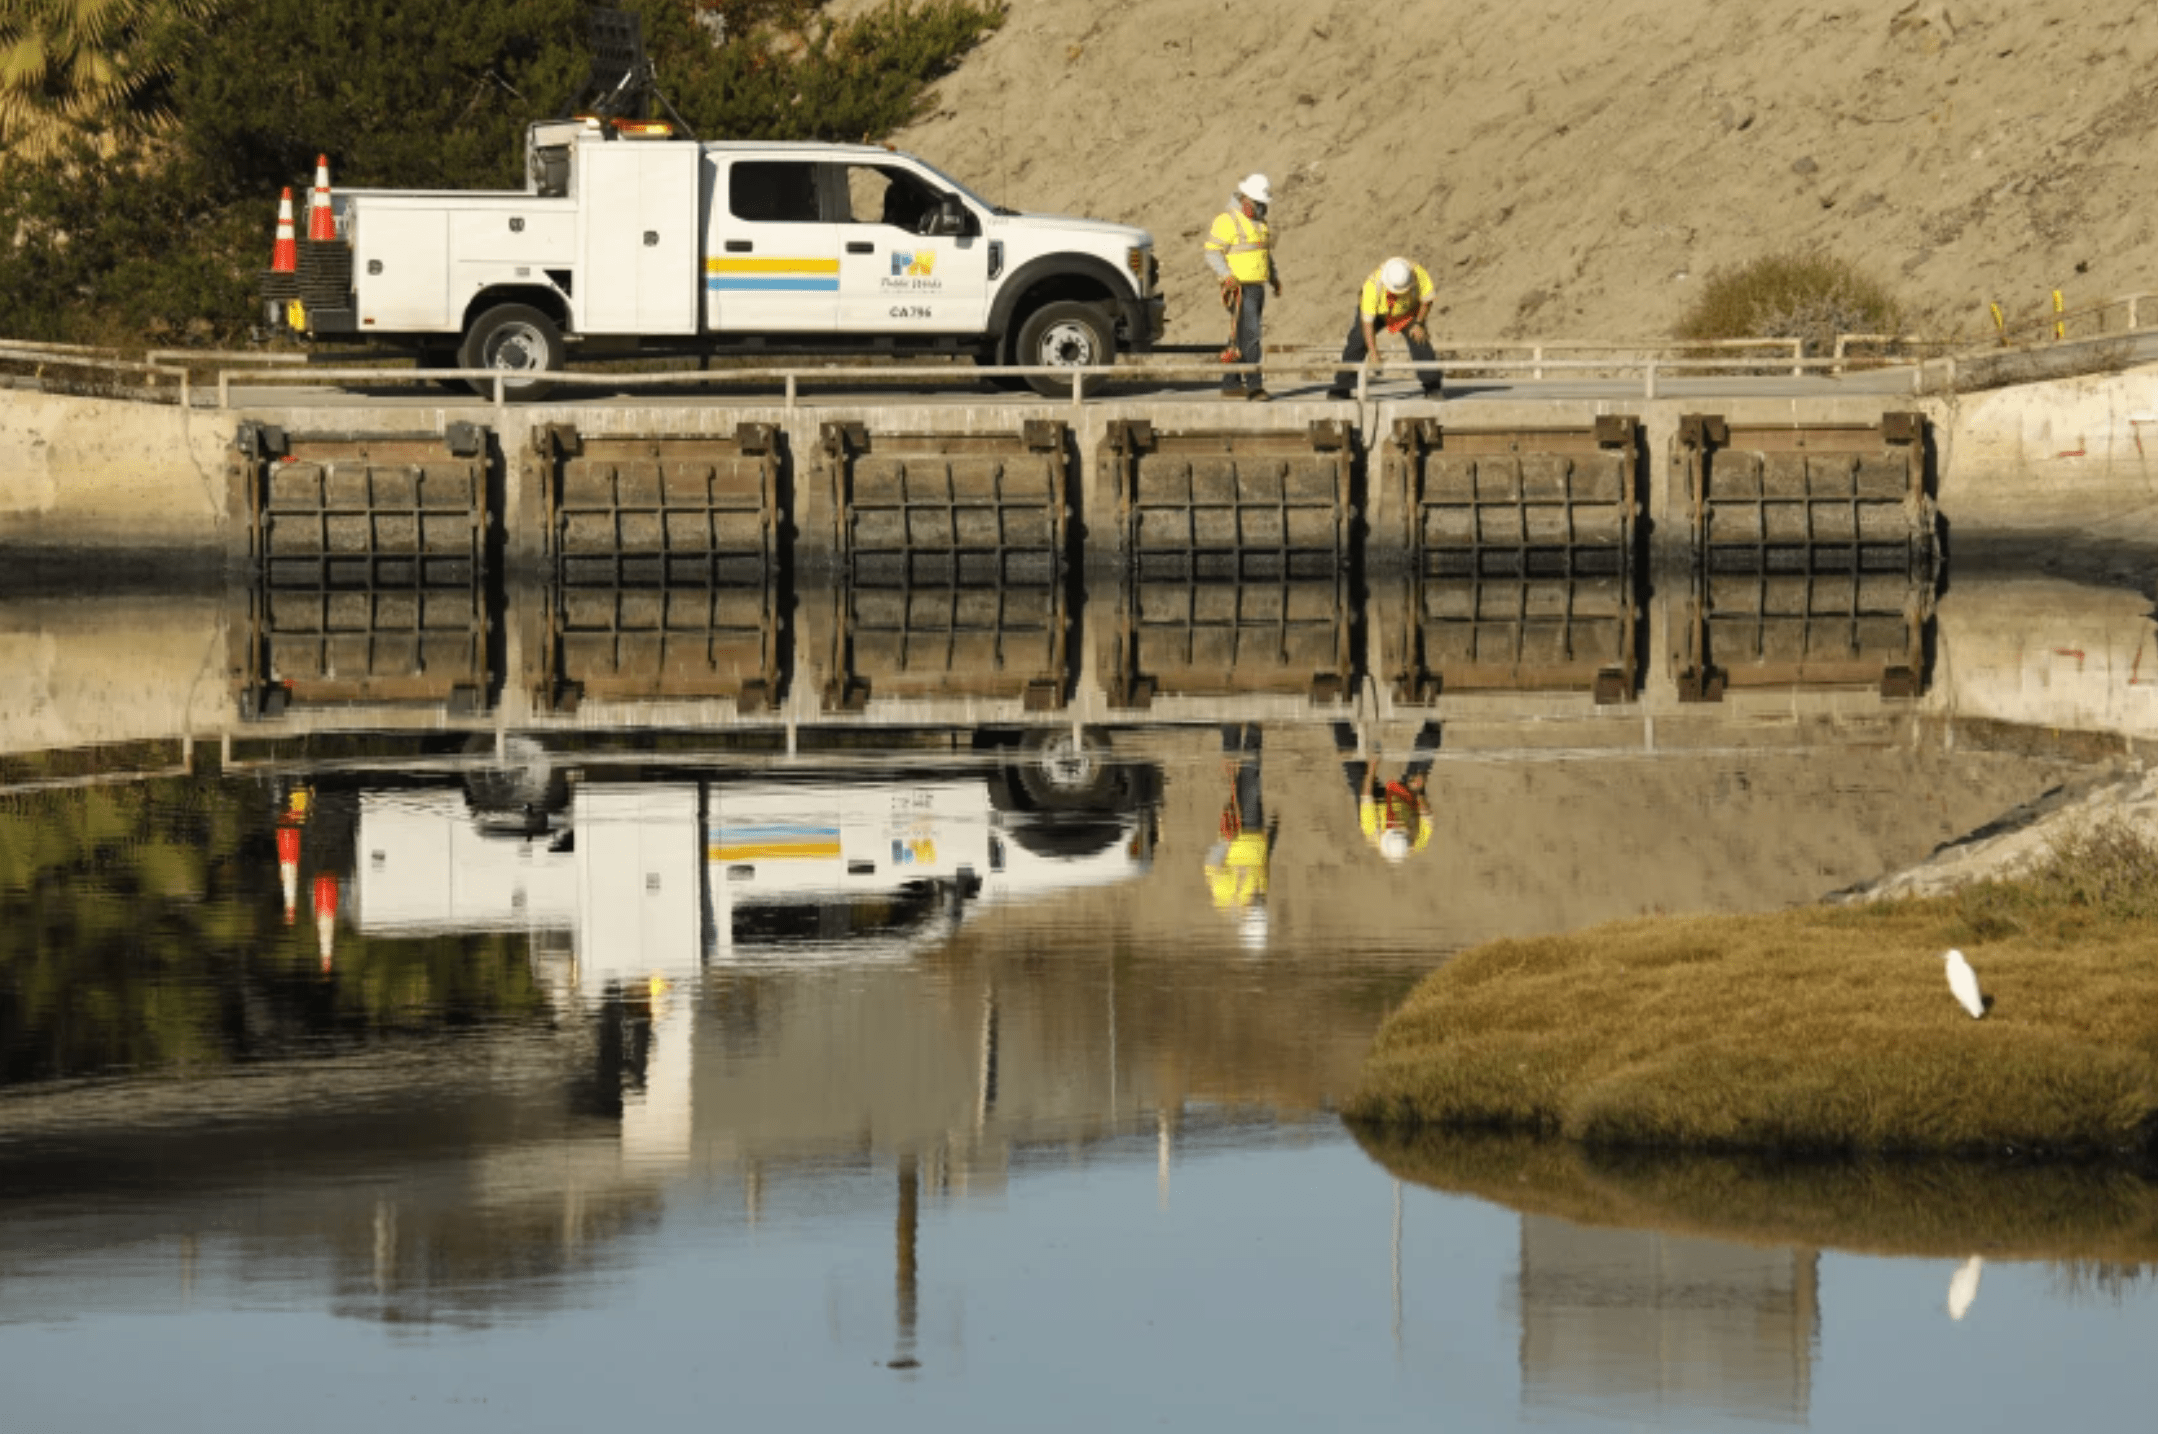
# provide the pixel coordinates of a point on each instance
(913, 266)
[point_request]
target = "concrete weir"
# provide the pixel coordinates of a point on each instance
(82, 476)
(882, 558)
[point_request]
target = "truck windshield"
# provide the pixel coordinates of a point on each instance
(969, 194)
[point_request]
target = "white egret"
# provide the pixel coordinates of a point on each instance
(1964, 982)
(1963, 1287)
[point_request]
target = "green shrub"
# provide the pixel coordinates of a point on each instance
(1801, 294)
(162, 239)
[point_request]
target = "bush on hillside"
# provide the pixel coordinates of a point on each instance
(1800, 294)
(164, 239)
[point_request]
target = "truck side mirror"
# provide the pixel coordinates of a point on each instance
(949, 218)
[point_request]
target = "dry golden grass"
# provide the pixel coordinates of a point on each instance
(1827, 1029)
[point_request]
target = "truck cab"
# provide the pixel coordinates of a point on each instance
(627, 240)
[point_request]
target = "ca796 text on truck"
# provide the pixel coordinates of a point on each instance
(628, 240)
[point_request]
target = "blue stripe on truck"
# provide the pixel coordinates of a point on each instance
(744, 281)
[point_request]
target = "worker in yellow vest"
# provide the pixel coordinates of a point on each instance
(1236, 865)
(1397, 296)
(1395, 816)
(1240, 251)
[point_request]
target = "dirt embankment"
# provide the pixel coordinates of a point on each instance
(1573, 170)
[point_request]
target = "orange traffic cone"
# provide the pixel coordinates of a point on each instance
(285, 253)
(321, 218)
(288, 869)
(325, 916)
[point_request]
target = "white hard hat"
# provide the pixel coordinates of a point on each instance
(1251, 927)
(1394, 844)
(1256, 189)
(1397, 275)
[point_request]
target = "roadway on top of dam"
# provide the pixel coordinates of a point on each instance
(963, 390)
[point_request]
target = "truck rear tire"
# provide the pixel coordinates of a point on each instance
(1065, 335)
(519, 339)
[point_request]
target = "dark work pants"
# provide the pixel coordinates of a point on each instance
(1249, 315)
(1353, 352)
(1353, 772)
(1241, 740)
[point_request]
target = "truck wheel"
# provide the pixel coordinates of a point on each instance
(1065, 335)
(1060, 770)
(517, 338)
(994, 358)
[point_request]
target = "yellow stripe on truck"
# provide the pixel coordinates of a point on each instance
(772, 850)
(771, 266)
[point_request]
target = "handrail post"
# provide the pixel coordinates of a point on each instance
(1649, 375)
(2132, 298)
(224, 389)
(1538, 355)
(1798, 358)
(790, 390)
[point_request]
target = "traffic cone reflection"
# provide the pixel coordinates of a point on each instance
(288, 868)
(321, 218)
(285, 251)
(325, 916)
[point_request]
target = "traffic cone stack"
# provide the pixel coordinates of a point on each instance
(325, 916)
(288, 869)
(281, 280)
(325, 259)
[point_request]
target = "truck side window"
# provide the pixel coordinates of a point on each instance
(881, 194)
(773, 191)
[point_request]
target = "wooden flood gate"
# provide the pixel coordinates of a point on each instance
(665, 567)
(1814, 556)
(953, 565)
(1236, 572)
(1518, 548)
(369, 558)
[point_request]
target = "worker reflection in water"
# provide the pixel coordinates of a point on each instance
(1236, 864)
(1397, 296)
(1395, 816)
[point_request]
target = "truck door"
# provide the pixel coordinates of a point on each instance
(771, 263)
(902, 269)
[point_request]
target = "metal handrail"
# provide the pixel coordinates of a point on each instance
(791, 378)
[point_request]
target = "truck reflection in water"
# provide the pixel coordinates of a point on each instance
(657, 877)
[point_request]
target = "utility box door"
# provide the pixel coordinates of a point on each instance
(401, 268)
(637, 204)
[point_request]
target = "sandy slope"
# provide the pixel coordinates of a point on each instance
(1572, 168)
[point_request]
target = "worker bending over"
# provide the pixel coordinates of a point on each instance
(1398, 295)
(1240, 251)
(1395, 816)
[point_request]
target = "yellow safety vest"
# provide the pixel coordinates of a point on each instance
(1245, 243)
(1375, 302)
(1240, 879)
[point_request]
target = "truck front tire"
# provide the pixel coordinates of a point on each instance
(1065, 335)
(516, 338)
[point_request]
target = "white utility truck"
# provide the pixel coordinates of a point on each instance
(628, 240)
